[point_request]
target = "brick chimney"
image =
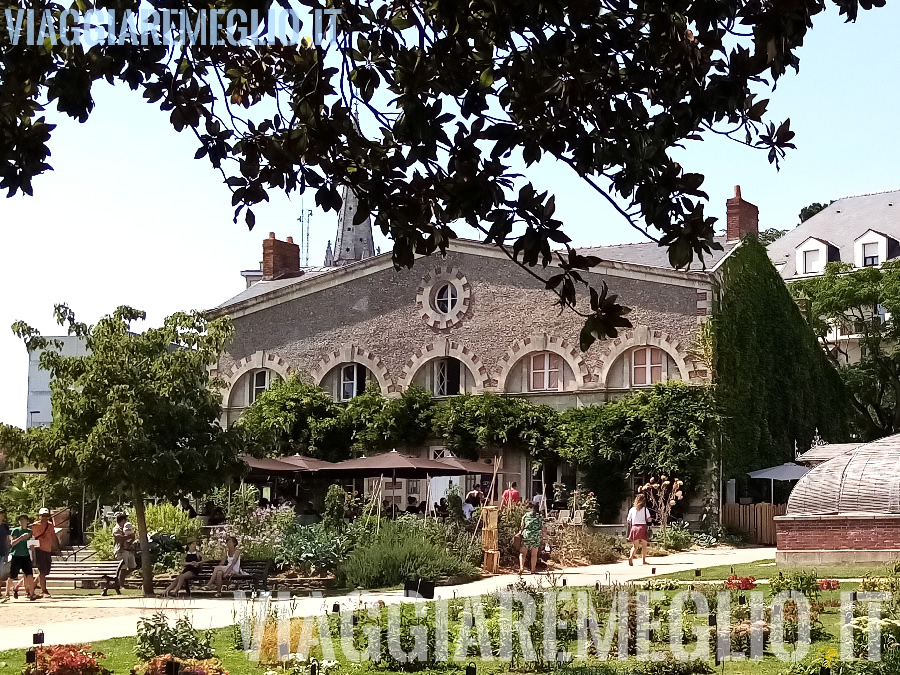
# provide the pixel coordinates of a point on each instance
(281, 259)
(742, 218)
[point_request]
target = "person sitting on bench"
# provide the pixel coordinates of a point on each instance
(192, 562)
(229, 567)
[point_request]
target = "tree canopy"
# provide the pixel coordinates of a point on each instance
(138, 414)
(449, 94)
(862, 303)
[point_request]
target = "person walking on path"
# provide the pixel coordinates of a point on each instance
(20, 560)
(123, 546)
(532, 534)
(638, 520)
(44, 531)
(510, 496)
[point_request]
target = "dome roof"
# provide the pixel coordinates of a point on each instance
(865, 480)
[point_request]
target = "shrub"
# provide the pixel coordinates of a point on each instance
(312, 550)
(741, 633)
(65, 660)
(157, 666)
(675, 537)
(335, 502)
(661, 585)
(157, 637)
(509, 525)
(398, 554)
(259, 532)
(169, 528)
(805, 582)
(671, 667)
(889, 630)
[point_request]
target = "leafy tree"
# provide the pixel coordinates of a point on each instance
(808, 212)
(137, 414)
(771, 234)
(294, 417)
(861, 302)
(669, 429)
(470, 423)
(449, 92)
(774, 384)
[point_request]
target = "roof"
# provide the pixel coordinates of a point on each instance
(864, 481)
(263, 287)
(822, 453)
(841, 224)
(652, 254)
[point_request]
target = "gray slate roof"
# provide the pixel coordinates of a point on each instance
(653, 255)
(840, 225)
(263, 287)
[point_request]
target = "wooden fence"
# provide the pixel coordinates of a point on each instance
(758, 520)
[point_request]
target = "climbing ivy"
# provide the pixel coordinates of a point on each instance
(773, 382)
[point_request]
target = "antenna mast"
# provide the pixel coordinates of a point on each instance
(305, 216)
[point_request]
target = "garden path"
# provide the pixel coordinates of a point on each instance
(86, 619)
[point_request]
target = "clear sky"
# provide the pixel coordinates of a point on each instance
(129, 217)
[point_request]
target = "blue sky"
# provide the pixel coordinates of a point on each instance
(129, 217)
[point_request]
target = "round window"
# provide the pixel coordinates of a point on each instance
(445, 298)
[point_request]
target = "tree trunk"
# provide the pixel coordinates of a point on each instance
(146, 563)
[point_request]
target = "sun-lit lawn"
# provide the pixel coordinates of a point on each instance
(766, 569)
(121, 659)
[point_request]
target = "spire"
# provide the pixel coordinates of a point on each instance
(353, 242)
(329, 256)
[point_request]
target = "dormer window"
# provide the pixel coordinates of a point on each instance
(870, 255)
(811, 262)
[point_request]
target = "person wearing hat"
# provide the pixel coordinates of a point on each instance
(44, 531)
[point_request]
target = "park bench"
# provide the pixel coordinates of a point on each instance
(255, 574)
(104, 572)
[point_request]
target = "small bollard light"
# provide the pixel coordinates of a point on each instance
(732, 570)
(652, 570)
(655, 611)
(742, 600)
(336, 608)
(596, 585)
(824, 670)
(313, 667)
(691, 587)
(355, 619)
(853, 596)
(31, 656)
(718, 658)
(696, 573)
(713, 620)
(470, 669)
(38, 638)
(564, 582)
(587, 624)
(172, 667)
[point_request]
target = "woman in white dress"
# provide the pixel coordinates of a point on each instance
(229, 567)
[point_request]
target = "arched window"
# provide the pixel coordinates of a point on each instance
(353, 381)
(544, 372)
(258, 382)
(648, 366)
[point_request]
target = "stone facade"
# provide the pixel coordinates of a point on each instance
(371, 314)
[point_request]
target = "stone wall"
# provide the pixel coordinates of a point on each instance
(506, 313)
(834, 539)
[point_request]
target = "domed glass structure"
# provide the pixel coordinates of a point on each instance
(862, 481)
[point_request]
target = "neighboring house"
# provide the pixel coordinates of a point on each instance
(39, 411)
(863, 231)
(470, 322)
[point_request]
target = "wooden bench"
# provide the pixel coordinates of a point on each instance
(254, 572)
(105, 572)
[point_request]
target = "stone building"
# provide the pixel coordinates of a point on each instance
(471, 321)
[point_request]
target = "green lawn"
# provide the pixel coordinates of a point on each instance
(120, 656)
(766, 569)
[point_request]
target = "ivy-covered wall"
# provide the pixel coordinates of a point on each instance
(773, 382)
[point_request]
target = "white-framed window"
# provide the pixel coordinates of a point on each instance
(445, 377)
(260, 381)
(647, 366)
(445, 298)
(870, 254)
(811, 261)
(545, 369)
(352, 382)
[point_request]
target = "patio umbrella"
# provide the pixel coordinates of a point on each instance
(786, 471)
(306, 464)
(395, 464)
(25, 469)
(267, 465)
(466, 465)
